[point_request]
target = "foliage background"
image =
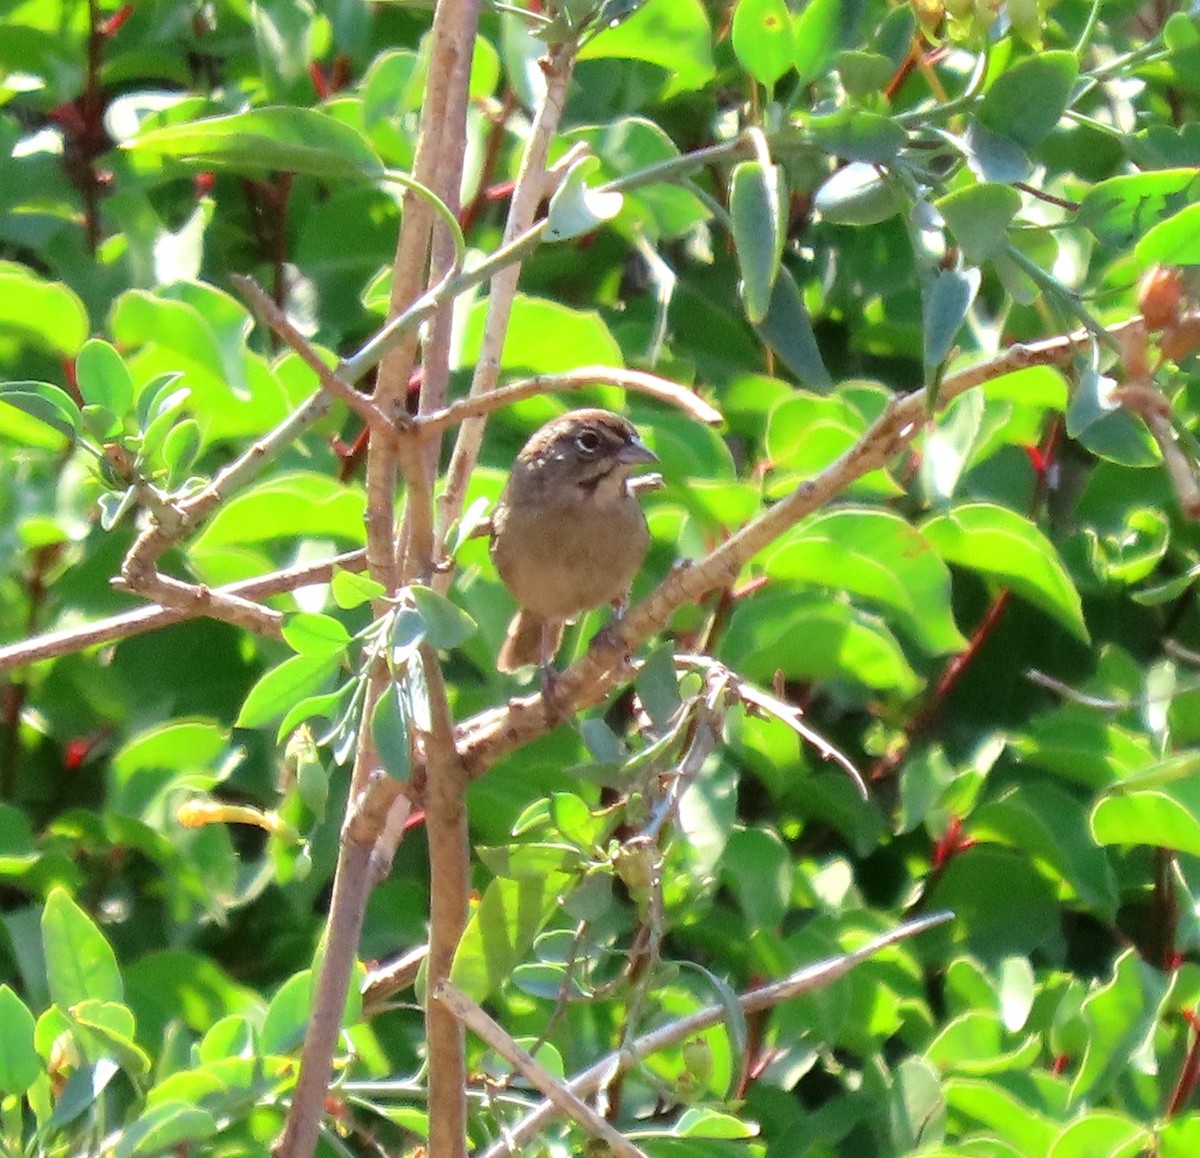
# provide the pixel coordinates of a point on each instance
(956, 180)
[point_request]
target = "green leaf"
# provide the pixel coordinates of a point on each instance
(80, 963)
(310, 634)
(658, 686)
(1025, 102)
(543, 337)
(787, 329)
(864, 73)
(1052, 828)
(266, 140)
(39, 415)
(389, 730)
(106, 1029)
(1122, 210)
(352, 589)
(446, 625)
(167, 1127)
(501, 931)
(814, 639)
(1175, 241)
(978, 216)
(756, 209)
(856, 135)
(48, 313)
(877, 556)
(1167, 816)
(672, 34)
(1107, 1133)
(704, 1122)
(179, 450)
(762, 39)
(284, 685)
(816, 35)
(917, 1106)
(806, 432)
(987, 1108)
(286, 506)
(757, 869)
(1002, 906)
(103, 377)
(20, 1065)
(945, 299)
(1121, 1017)
(992, 157)
(1009, 549)
(858, 194)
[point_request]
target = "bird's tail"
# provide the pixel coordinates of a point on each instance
(530, 640)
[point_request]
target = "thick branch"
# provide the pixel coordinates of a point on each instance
(449, 875)
(490, 735)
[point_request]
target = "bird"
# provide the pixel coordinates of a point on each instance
(568, 532)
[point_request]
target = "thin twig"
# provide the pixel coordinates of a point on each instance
(277, 321)
(130, 623)
(585, 1084)
(558, 1095)
(637, 381)
(528, 192)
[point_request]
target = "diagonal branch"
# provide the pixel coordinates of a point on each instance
(488, 736)
(556, 1093)
(810, 977)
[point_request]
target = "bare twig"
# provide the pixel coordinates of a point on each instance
(811, 977)
(559, 1096)
(195, 599)
(769, 705)
(527, 194)
(130, 623)
(385, 980)
(276, 320)
(636, 380)
(351, 887)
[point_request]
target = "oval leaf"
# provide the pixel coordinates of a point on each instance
(756, 199)
(267, 140)
(1007, 547)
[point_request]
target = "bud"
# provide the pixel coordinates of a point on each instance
(1160, 295)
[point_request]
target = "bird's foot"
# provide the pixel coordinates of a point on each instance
(555, 709)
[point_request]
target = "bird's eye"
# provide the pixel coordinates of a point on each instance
(588, 441)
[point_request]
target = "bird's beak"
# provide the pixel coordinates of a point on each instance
(636, 451)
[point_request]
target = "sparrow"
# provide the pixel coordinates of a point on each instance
(568, 534)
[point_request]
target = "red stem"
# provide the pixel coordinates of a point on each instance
(1189, 1074)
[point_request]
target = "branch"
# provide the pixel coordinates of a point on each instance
(488, 736)
(277, 321)
(636, 380)
(813, 976)
(130, 623)
(450, 883)
(558, 1095)
(528, 192)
